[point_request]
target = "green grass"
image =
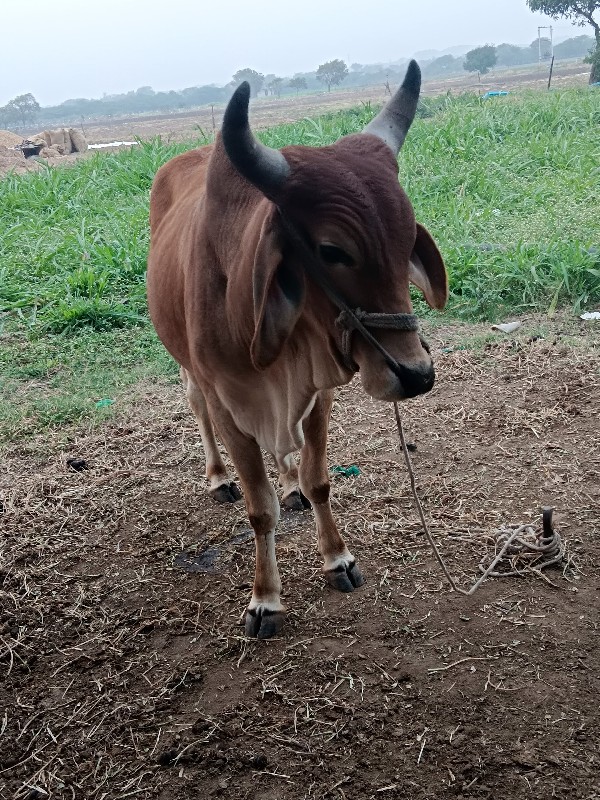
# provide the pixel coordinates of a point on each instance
(507, 186)
(56, 380)
(73, 242)
(515, 208)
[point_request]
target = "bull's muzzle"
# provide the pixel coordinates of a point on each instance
(391, 380)
(414, 380)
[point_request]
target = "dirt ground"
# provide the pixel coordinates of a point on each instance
(125, 672)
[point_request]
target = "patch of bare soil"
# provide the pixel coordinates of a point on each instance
(9, 139)
(125, 674)
(13, 161)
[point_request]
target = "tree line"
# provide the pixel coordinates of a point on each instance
(482, 59)
(24, 110)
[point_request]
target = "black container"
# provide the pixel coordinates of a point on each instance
(29, 149)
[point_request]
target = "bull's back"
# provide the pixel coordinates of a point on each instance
(176, 193)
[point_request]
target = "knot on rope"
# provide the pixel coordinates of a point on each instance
(347, 320)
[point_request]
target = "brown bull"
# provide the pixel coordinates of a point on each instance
(251, 251)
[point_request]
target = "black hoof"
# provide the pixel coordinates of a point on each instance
(226, 493)
(345, 579)
(263, 624)
(296, 501)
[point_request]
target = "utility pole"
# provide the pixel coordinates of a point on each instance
(544, 28)
(550, 75)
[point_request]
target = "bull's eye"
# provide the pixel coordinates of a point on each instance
(332, 254)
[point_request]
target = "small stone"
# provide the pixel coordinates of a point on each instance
(77, 464)
(166, 757)
(259, 762)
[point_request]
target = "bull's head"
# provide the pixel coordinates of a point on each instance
(360, 228)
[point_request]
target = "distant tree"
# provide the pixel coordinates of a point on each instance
(202, 95)
(542, 48)
(594, 59)
(266, 85)
(575, 47)
(332, 73)
(23, 109)
(254, 78)
(580, 12)
(297, 84)
(511, 55)
(444, 65)
(5, 117)
(145, 91)
(443, 62)
(274, 86)
(481, 59)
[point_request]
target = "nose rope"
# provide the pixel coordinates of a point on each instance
(359, 320)
(350, 320)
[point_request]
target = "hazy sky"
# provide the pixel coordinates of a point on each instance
(73, 48)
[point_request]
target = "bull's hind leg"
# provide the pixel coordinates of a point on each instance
(222, 488)
(293, 499)
(265, 613)
(339, 565)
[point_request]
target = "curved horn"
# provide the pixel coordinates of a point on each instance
(264, 167)
(395, 118)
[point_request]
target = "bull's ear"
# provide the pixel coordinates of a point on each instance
(427, 270)
(278, 286)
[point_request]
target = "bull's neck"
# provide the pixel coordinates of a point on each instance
(229, 202)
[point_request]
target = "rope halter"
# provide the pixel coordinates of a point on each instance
(358, 320)
(351, 320)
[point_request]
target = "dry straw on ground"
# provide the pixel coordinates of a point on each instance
(126, 676)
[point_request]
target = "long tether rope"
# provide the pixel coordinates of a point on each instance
(547, 544)
(547, 548)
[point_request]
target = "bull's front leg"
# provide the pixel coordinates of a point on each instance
(339, 565)
(265, 613)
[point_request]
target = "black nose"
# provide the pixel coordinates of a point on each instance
(415, 381)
